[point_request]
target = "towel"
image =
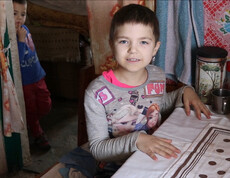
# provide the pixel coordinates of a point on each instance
(181, 32)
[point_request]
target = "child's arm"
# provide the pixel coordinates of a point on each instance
(21, 32)
(190, 98)
(22, 47)
(184, 96)
(102, 147)
(152, 145)
(26, 48)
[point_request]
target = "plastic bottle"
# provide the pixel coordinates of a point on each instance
(226, 84)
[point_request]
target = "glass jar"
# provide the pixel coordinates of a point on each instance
(210, 62)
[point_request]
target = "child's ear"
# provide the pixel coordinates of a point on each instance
(157, 46)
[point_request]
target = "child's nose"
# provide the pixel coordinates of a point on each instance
(132, 48)
(18, 17)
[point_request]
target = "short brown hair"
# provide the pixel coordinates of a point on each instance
(20, 1)
(134, 13)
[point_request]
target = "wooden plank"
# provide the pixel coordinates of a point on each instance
(87, 74)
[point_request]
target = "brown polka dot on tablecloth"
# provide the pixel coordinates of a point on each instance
(221, 172)
(212, 163)
(203, 176)
(220, 150)
(227, 159)
(226, 140)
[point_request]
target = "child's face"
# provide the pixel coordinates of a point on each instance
(134, 46)
(19, 14)
(153, 118)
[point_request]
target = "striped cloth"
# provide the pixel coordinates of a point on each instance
(181, 32)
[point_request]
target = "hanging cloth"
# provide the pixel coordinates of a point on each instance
(217, 24)
(181, 32)
(12, 116)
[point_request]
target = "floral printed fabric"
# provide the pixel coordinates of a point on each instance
(12, 116)
(217, 24)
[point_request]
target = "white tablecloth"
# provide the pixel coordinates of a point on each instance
(183, 130)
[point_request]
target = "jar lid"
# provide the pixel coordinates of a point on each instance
(212, 52)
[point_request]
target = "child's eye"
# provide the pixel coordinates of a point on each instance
(23, 15)
(123, 42)
(144, 42)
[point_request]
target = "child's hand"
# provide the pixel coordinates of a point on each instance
(21, 32)
(152, 145)
(190, 98)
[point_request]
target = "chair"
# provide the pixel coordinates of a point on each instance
(87, 74)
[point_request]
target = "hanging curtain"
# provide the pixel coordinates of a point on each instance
(181, 32)
(12, 115)
(217, 24)
(100, 14)
(15, 146)
(3, 165)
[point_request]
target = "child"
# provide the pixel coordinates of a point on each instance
(134, 36)
(36, 95)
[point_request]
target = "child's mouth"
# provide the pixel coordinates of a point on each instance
(133, 60)
(18, 24)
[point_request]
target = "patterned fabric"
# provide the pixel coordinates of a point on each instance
(12, 116)
(17, 144)
(217, 24)
(3, 165)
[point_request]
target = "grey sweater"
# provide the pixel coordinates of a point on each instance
(112, 135)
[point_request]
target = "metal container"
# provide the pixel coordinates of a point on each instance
(209, 71)
(220, 101)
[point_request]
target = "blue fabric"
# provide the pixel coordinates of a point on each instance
(64, 172)
(162, 15)
(30, 66)
(80, 160)
(181, 33)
